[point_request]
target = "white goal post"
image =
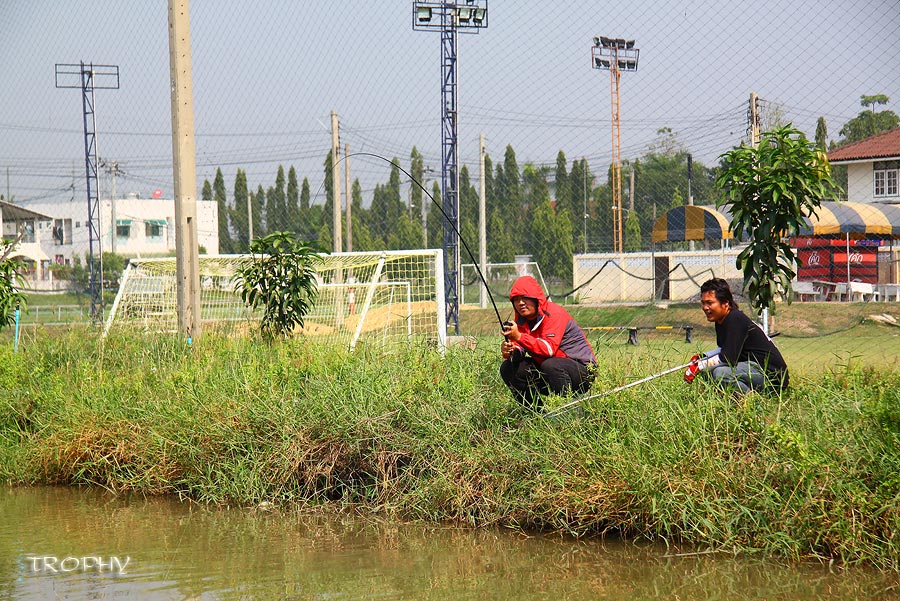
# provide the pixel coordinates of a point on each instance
(500, 277)
(372, 297)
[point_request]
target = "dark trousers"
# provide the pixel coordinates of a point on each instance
(559, 375)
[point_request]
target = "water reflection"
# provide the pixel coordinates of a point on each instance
(178, 550)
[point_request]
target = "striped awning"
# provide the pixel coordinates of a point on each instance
(691, 222)
(856, 219)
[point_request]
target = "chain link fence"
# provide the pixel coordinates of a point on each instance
(268, 76)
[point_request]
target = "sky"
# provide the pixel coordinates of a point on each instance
(267, 74)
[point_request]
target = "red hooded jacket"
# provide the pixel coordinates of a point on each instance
(554, 333)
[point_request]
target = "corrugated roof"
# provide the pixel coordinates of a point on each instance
(885, 145)
(833, 218)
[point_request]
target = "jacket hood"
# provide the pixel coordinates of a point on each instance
(529, 287)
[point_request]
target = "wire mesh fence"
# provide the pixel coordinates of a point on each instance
(267, 78)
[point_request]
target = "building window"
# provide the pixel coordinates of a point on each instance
(123, 228)
(62, 232)
(886, 173)
(153, 228)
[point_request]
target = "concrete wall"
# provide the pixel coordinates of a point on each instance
(629, 277)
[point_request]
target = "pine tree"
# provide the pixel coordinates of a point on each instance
(207, 193)
(220, 196)
(292, 201)
(238, 215)
(259, 210)
(633, 240)
(821, 133)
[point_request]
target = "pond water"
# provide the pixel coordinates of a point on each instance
(71, 543)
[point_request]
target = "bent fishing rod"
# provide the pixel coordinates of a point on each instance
(563, 408)
(456, 231)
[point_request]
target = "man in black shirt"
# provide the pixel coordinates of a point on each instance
(746, 358)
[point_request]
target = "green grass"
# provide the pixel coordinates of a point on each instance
(412, 433)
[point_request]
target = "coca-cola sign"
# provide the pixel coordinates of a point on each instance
(814, 260)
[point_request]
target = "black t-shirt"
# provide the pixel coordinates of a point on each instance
(741, 339)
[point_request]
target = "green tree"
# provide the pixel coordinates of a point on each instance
(280, 278)
(554, 256)
(276, 213)
(633, 241)
(221, 198)
(468, 216)
(436, 219)
(821, 134)
(11, 284)
(238, 215)
(207, 193)
(561, 186)
(868, 122)
(417, 171)
(512, 195)
(292, 200)
(769, 190)
(258, 208)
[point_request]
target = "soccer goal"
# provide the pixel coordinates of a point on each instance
(372, 297)
(500, 277)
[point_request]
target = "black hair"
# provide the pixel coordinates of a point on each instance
(721, 289)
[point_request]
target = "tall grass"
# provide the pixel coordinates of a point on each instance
(810, 474)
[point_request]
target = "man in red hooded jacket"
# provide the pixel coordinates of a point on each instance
(544, 350)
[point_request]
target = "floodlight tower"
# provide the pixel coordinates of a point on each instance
(615, 55)
(451, 18)
(91, 77)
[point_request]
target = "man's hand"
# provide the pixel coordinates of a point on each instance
(700, 363)
(511, 331)
(507, 348)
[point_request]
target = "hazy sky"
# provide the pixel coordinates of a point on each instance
(268, 73)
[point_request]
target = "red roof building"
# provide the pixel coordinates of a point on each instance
(873, 167)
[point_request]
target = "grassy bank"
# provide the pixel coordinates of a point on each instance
(811, 474)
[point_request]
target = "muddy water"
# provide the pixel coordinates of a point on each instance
(64, 543)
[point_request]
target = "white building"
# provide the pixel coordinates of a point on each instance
(23, 227)
(133, 227)
(873, 167)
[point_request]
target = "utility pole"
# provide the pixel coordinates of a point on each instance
(90, 78)
(112, 169)
(187, 249)
(482, 223)
(335, 183)
(349, 201)
(753, 128)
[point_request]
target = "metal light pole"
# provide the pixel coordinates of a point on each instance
(450, 18)
(91, 77)
(615, 55)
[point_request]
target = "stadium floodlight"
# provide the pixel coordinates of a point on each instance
(423, 14)
(450, 18)
(615, 55)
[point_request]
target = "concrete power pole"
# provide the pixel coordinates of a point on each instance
(753, 126)
(112, 169)
(482, 223)
(348, 212)
(184, 169)
(335, 183)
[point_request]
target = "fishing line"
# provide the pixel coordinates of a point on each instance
(446, 218)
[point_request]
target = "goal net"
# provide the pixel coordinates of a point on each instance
(371, 297)
(500, 277)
